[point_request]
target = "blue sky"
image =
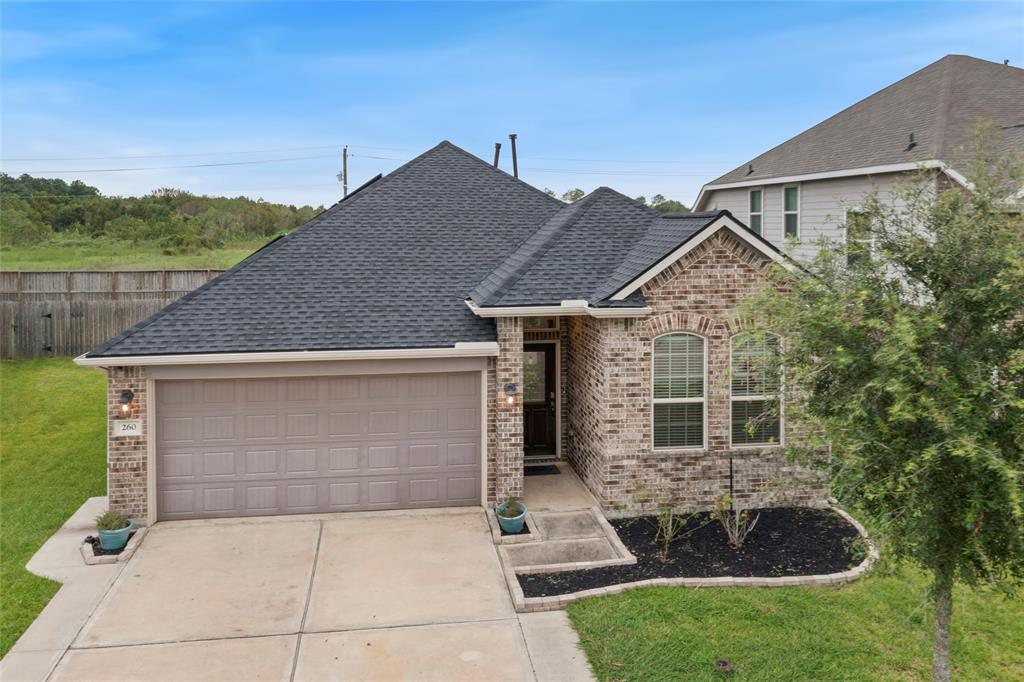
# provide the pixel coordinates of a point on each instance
(645, 98)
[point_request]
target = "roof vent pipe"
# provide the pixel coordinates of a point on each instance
(497, 151)
(750, 168)
(515, 161)
(911, 144)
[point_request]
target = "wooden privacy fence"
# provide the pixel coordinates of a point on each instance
(69, 312)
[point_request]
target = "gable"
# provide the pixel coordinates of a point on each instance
(754, 246)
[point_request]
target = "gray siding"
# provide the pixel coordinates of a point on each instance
(823, 206)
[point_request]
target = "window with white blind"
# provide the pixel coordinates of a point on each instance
(754, 388)
(678, 420)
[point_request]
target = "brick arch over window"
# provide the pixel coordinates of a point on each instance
(677, 321)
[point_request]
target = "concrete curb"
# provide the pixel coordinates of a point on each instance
(525, 604)
(499, 539)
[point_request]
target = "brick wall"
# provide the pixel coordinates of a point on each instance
(126, 456)
(610, 394)
(505, 457)
(585, 401)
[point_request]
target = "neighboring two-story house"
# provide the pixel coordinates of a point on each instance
(805, 187)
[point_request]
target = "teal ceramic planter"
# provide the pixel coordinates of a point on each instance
(115, 539)
(510, 524)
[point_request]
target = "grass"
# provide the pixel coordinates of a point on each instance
(83, 253)
(52, 458)
(878, 628)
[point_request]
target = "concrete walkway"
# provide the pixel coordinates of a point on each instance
(374, 596)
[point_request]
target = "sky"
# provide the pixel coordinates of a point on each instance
(646, 98)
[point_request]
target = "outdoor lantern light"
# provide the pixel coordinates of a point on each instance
(127, 396)
(510, 393)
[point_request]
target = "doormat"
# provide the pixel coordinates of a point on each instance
(545, 470)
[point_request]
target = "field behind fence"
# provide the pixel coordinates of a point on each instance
(70, 312)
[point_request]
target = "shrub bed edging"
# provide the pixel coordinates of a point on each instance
(525, 604)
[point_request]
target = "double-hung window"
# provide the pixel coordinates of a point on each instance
(791, 211)
(755, 214)
(756, 416)
(859, 240)
(678, 420)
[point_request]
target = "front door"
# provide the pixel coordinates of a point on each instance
(539, 402)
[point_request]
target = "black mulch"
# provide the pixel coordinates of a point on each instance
(541, 470)
(99, 551)
(785, 542)
(524, 531)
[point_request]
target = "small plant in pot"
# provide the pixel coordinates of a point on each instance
(114, 528)
(511, 515)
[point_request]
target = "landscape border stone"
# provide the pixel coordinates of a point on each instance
(525, 604)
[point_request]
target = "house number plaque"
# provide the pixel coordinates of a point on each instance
(127, 427)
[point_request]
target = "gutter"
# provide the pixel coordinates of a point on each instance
(565, 308)
(844, 173)
(462, 349)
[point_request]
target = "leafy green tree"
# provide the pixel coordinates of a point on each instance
(573, 195)
(906, 347)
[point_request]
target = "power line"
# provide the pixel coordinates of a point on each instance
(192, 165)
(331, 146)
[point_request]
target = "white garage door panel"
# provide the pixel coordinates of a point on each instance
(297, 445)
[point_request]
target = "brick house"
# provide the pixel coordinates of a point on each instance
(423, 341)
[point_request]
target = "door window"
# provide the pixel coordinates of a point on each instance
(534, 376)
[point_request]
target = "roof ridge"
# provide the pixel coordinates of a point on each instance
(571, 213)
(833, 116)
(492, 167)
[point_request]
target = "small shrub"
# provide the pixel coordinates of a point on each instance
(111, 520)
(671, 525)
(738, 523)
(512, 509)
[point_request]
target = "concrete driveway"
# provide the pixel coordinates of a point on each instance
(382, 596)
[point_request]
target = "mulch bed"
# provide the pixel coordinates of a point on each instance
(785, 542)
(99, 551)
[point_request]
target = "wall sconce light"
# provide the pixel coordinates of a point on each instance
(127, 396)
(510, 393)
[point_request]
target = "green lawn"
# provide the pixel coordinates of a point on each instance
(876, 629)
(80, 253)
(52, 458)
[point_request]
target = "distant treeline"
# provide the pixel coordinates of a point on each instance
(35, 210)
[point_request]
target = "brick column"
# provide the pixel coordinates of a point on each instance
(126, 456)
(506, 460)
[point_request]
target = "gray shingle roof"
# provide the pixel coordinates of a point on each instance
(389, 267)
(940, 104)
(589, 250)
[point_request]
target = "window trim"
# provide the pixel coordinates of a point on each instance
(750, 398)
(663, 401)
(751, 214)
(799, 201)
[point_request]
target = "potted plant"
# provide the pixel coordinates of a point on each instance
(511, 515)
(113, 528)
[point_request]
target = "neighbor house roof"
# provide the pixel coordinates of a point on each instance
(587, 251)
(389, 267)
(940, 105)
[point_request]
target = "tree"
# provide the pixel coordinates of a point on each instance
(573, 195)
(906, 347)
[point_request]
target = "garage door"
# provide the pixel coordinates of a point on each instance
(245, 447)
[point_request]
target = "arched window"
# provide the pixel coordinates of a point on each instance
(755, 380)
(678, 420)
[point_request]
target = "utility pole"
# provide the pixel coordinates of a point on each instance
(343, 175)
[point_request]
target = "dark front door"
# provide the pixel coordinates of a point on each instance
(539, 399)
